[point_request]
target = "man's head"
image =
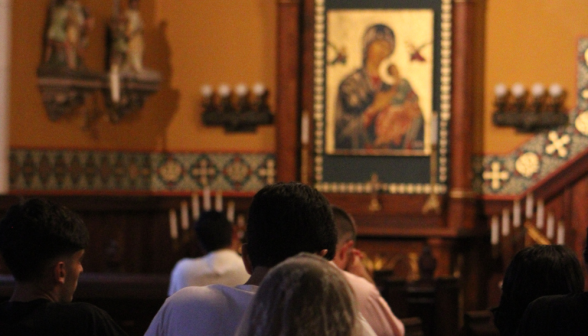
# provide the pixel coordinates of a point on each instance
(214, 231)
(286, 219)
(44, 243)
(346, 236)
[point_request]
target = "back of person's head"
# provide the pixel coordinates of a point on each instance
(536, 271)
(37, 231)
(214, 231)
(303, 295)
(345, 225)
(286, 219)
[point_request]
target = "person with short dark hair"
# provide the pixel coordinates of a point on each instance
(221, 265)
(559, 314)
(43, 245)
(284, 220)
(348, 258)
(534, 272)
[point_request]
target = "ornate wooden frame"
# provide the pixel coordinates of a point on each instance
(401, 214)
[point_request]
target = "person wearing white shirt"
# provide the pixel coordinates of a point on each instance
(284, 220)
(221, 265)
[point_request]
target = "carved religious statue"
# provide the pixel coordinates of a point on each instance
(66, 36)
(128, 44)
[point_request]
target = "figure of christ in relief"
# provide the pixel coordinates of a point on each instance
(375, 112)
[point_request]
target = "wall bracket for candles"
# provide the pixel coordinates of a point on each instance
(544, 110)
(239, 112)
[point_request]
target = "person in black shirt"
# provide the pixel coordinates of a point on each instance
(557, 314)
(43, 245)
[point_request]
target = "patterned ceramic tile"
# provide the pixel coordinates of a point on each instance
(71, 170)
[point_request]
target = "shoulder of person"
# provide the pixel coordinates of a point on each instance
(361, 286)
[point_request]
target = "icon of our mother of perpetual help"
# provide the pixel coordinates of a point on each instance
(377, 109)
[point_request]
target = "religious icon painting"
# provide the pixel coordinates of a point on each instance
(382, 74)
(379, 81)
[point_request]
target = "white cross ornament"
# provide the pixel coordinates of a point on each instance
(496, 175)
(269, 172)
(203, 172)
(558, 144)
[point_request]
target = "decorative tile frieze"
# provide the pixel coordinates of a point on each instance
(120, 172)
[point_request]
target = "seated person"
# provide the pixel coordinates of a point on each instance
(284, 220)
(43, 245)
(371, 303)
(534, 272)
(221, 265)
(558, 314)
(303, 295)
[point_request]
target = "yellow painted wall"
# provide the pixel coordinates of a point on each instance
(215, 41)
(528, 41)
(190, 42)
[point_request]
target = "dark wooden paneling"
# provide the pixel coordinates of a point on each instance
(128, 234)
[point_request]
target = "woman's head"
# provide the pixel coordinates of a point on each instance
(534, 272)
(304, 295)
(379, 42)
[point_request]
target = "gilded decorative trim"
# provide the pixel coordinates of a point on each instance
(444, 110)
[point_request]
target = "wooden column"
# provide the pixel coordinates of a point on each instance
(5, 38)
(288, 102)
(461, 211)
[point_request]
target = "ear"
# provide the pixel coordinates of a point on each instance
(246, 260)
(342, 255)
(346, 247)
(59, 272)
(323, 253)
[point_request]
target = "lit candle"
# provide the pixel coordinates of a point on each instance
(518, 90)
(516, 214)
(304, 128)
(537, 90)
(218, 201)
(555, 90)
(114, 83)
(185, 218)
(224, 90)
(540, 214)
(494, 230)
(241, 90)
(550, 226)
(231, 211)
(206, 203)
(173, 224)
(259, 89)
(561, 233)
(195, 206)
(505, 222)
(529, 206)
(434, 128)
(500, 90)
(206, 91)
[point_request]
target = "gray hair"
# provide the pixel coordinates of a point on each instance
(304, 295)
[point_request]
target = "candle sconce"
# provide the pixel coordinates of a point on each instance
(238, 112)
(542, 111)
